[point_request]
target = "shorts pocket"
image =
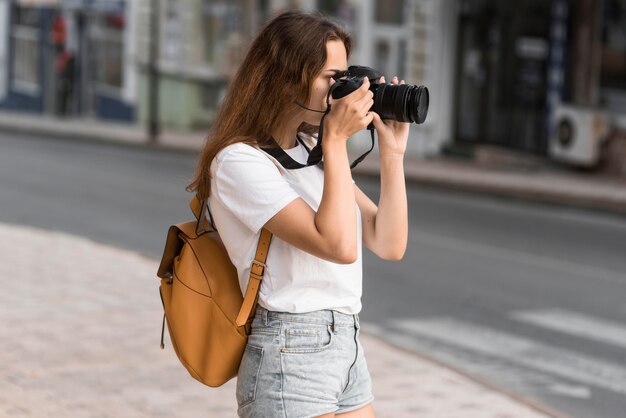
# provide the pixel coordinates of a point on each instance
(308, 340)
(248, 375)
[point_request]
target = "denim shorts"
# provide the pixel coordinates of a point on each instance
(300, 365)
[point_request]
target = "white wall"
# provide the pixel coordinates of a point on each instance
(438, 22)
(363, 53)
(276, 6)
(439, 28)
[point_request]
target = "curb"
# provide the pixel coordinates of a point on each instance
(128, 139)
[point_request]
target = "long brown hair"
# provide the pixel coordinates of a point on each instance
(280, 65)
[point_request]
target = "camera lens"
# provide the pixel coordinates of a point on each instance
(418, 103)
(401, 102)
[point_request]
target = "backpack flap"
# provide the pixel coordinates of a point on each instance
(173, 246)
(174, 243)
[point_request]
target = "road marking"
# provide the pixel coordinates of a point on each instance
(522, 351)
(571, 391)
(576, 324)
(484, 250)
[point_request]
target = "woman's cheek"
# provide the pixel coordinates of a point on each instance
(322, 99)
(317, 100)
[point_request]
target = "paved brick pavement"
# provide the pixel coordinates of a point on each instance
(80, 337)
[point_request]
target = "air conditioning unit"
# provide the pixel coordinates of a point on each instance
(577, 134)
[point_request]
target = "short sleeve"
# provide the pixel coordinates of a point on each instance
(249, 185)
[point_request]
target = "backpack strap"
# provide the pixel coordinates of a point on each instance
(257, 269)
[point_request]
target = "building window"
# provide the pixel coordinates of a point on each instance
(342, 10)
(106, 39)
(212, 95)
(614, 45)
(389, 11)
(173, 32)
(402, 57)
(382, 55)
(222, 25)
(330, 7)
(263, 10)
(25, 41)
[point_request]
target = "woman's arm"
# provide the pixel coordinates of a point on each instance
(385, 229)
(331, 232)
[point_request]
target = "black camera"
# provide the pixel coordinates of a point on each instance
(401, 102)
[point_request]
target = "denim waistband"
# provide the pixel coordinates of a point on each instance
(323, 317)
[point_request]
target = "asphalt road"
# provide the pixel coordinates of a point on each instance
(529, 297)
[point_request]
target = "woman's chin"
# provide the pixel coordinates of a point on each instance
(309, 127)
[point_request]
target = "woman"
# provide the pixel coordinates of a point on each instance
(303, 357)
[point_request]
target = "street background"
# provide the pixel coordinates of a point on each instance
(510, 298)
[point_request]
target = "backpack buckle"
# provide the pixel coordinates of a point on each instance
(260, 267)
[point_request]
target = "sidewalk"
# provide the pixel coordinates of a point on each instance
(538, 182)
(80, 336)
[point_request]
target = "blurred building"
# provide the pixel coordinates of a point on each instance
(545, 77)
(200, 46)
(67, 58)
(413, 39)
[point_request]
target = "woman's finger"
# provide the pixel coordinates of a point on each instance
(366, 101)
(369, 118)
(364, 107)
(378, 122)
(363, 89)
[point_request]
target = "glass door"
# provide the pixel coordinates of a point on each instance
(501, 74)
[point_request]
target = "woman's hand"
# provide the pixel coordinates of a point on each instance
(392, 135)
(350, 114)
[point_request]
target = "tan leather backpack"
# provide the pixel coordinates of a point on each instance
(208, 319)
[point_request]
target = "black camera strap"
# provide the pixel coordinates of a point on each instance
(315, 154)
(289, 163)
(362, 157)
(285, 159)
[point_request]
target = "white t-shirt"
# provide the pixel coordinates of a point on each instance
(248, 187)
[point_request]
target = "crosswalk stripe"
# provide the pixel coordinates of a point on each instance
(576, 324)
(519, 350)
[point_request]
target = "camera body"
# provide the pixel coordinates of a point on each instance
(400, 102)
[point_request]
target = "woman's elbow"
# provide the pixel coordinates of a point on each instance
(347, 255)
(394, 255)
(344, 251)
(337, 251)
